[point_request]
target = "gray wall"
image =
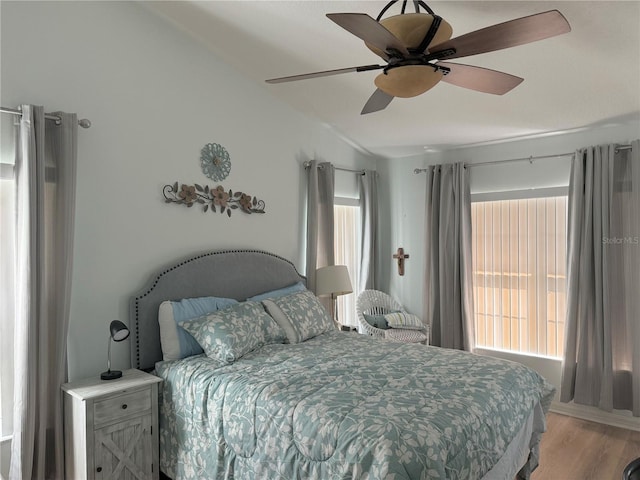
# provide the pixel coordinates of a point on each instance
(404, 195)
(155, 97)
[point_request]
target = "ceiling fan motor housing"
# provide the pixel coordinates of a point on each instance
(411, 80)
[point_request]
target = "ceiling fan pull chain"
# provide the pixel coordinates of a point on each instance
(433, 29)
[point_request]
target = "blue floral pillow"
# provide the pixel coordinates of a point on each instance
(304, 312)
(227, 335)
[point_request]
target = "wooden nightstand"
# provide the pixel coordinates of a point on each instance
(111, 427)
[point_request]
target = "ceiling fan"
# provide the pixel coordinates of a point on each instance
(416, 45)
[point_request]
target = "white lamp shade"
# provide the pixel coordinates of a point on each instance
(333, 280)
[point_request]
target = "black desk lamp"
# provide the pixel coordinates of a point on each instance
(118, 331)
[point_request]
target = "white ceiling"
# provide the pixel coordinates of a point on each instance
(587, 77)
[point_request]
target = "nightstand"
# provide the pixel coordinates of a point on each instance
(111, 427)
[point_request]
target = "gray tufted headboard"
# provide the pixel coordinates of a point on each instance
(231, 274)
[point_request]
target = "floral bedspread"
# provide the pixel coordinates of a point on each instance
(342, 406)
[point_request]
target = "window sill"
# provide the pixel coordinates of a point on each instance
(489, 350)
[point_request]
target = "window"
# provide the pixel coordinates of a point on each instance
(519, 283)
(346, 213)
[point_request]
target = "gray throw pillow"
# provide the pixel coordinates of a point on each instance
(377, 321)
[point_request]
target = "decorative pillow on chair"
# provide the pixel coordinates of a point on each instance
(377, 321)
(404, 320)
(228, 334)
(176, 343)
(304, 313)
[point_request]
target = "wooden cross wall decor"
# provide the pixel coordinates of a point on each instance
(401, 256)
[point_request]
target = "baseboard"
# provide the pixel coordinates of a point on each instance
(592, 414)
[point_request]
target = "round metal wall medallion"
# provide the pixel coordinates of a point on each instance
(215, 161)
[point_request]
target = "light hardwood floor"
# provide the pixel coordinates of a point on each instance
(575, 449)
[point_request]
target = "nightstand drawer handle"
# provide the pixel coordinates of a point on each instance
(124, 406)
(99, 469)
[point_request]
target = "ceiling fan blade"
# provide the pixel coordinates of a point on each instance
(505, 35)
(367, 29)
(378, 101)
(325, 73)
(480, 79)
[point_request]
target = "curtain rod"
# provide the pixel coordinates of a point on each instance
(307, 164)
(529, 159)
(84, 123)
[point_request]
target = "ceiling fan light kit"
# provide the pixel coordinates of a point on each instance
(408, 81)
(416, 45)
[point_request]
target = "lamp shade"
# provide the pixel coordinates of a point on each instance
(333, 280)
(119, 331)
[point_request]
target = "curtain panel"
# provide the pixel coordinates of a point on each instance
(448, 261)
(320, 228)
(369, 220)
(45, 170)
(601, 366)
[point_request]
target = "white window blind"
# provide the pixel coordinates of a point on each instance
(347, 252)
(519, 256)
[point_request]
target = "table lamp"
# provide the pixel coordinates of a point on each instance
(333, 280)
(118, 332)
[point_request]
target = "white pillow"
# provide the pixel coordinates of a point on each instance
(281, 319)
(404, 320)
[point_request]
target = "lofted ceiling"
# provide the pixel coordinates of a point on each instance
(588, 77)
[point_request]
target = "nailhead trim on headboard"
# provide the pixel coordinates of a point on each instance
(178, 265)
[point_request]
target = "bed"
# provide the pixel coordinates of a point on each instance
(336, 405)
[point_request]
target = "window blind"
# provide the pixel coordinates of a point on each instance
(519, 257)
(347, 252)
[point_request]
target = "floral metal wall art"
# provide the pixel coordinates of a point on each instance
(213, 199)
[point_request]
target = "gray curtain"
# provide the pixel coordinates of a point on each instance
(369, 216)
(448, 262)
(45, 202)
(602, 344)
(320, 249)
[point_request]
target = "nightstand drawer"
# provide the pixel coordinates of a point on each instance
(114, 408)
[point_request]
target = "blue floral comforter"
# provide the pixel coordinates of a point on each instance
(342, 406)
